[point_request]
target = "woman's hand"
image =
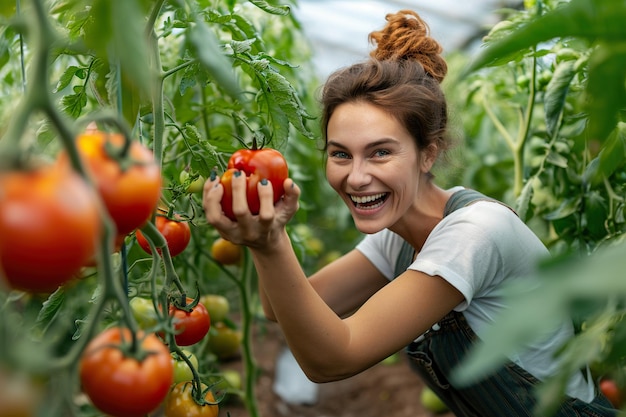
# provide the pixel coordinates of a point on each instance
(254, 231)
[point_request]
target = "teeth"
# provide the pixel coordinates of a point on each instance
(367, 198)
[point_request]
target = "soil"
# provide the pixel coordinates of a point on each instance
(389, 389)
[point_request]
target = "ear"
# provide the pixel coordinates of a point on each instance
(428, 156)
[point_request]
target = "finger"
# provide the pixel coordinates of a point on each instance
(292, 193)
(266, 198)
(240, 197)
(211, 200)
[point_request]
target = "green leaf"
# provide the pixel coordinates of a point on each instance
(537, 304)
(265, 6)
(49, 309)
(556, 94)
(209, 51)
(605, 92)
(66, 78)
(588, 19)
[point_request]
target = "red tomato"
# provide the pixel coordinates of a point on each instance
(257, 164)
(190, 327)
(120, 385)
(611, 391)
(130, 192)
(175, 231)
(49, 227)
(180, 402)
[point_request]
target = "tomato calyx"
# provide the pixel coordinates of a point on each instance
(199, 392)
(133, 348)
(180, 301)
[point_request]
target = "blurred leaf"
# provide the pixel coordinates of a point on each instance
(589, 19)
(605, 92)
(265, 6)
(210, 53)
(537, 304)
(556, 94)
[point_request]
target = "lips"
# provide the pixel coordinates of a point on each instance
(368, 201)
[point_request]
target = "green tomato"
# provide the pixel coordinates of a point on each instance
(143, 312)
(218, 306)
(432, 402)
(182, 371)
(194, 183)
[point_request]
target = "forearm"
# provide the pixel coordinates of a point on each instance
(317, 337)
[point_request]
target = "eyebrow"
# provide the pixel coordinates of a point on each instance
(375, 144)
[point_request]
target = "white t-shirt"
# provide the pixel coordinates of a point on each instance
(478, 248)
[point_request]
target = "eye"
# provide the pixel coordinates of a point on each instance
(339, 155)
(380, 153)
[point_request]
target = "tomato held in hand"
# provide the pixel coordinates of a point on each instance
(176, 232)
(130, 188)
(124, 386)
(180, 402)
(192, 326)
(49, 227)
(256, 164)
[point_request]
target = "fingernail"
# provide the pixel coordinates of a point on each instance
(264, 181)
(237, 173)
(213, 175)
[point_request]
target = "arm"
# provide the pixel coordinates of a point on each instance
(327, 346)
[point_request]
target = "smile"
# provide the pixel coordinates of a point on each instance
(369, 201)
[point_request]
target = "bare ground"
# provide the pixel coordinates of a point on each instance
(387, 389)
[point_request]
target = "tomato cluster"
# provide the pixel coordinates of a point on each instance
(256, 164)
(129, 184)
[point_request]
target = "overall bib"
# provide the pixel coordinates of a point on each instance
(506, 393)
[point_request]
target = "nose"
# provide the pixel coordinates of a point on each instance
(359, 175)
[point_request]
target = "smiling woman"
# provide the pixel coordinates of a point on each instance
(434, 262)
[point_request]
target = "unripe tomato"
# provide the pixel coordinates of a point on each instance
(130, 188)
(190, 327)
(20, 394)
(180, 402)
(224, 342)
(121, 385)
(256, 164)
(144, 313)
(182, 371)
(192, 185)
(176, 232)
(218, 306)
(49, 227)
(226, 252)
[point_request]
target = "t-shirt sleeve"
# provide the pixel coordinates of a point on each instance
(381, 249)
(465, 249)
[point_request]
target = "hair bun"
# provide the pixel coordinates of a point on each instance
(407, 37)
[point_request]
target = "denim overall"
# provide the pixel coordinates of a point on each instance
(506, 393)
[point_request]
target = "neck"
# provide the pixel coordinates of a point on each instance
(425, 213)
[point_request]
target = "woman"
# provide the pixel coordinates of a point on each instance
(384, 122)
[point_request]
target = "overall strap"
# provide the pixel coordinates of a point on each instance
(458, 199)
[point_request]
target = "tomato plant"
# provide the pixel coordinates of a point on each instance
(180, 402)
(120, 384)
(191, 324)
(226, 252)
(49, 227)
(176, 232)
(256, 164)
(130, 185)
(224, 342)
(217, 305)
(182, 371)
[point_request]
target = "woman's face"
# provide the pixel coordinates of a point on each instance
(373, 164)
